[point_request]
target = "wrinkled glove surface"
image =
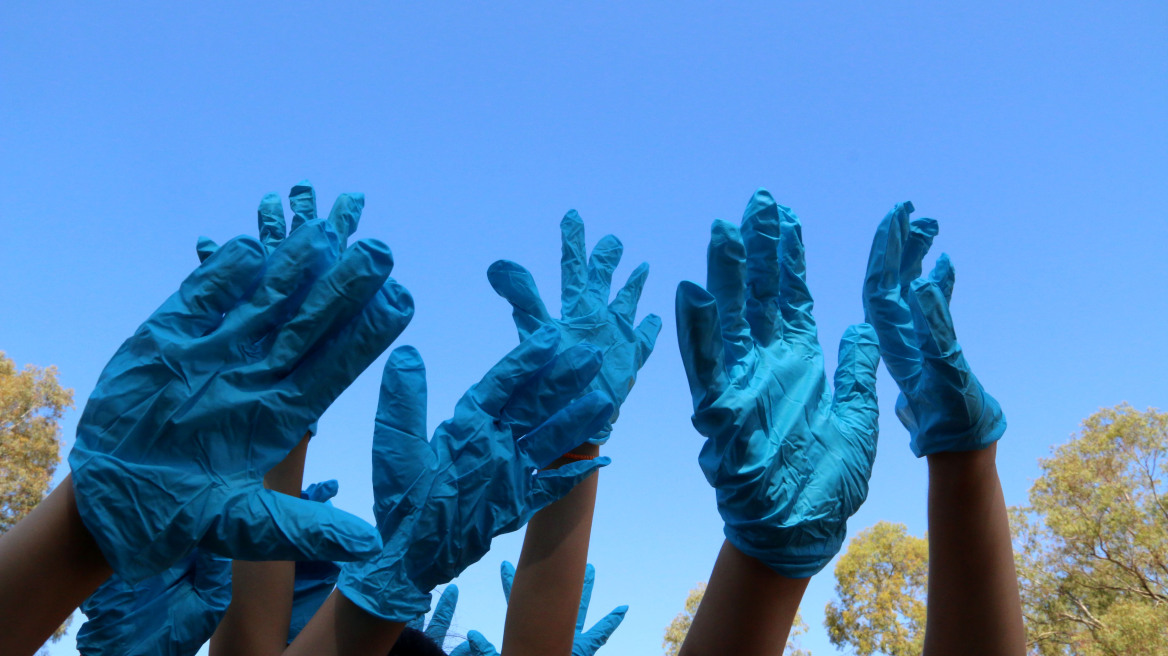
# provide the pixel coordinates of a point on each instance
(586, 314)
(790, 462)
(941, 402)
(172, 613)
(438, 503)
(216, 387)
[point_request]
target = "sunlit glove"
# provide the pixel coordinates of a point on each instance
(439, 503)
(941, 402)
(587, 316)
(584, 643)
(216, 387)
(314, 580)
(440, 621)
(343, 219)
(172, 613)
(789, 461)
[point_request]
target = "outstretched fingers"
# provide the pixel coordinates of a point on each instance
(270, 217)
(211, 290)
(605, 258)
(573, 268)
(443, 615)
(794, 295)
(726, 281)
(760, 232)
(854, 403)
(515, 284)
(302, 200)
(492, 393)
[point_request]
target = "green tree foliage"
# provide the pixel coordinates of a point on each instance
(32, 402)
(676, 631)
(1092, 547)
(881, 583)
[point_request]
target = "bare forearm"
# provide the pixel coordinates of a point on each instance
(545, 598)
(49, 564)
(747, 609)
(341, 628)
(973, 605)
(256, 622)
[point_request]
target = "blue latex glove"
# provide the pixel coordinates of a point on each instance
(440, 621)
(216, 387)
(584, 643)
(439, 503)
(314, 580)
(941, 402)
(789, 461)
(343, 219)
(173, 613)
(586, 314)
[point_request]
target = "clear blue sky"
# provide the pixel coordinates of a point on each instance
(1035, 133)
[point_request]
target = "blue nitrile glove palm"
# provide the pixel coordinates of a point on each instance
(216, 387)
(440, 502)
(587, 316)
(440, 621)
(314, 580)
(941, 402)
(584, 643)
(172, 613)
(789, 461)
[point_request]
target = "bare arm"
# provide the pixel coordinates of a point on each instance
(341, 628)
(973, 589)
(49, 564)
(747, 610)
(256, 622)
(545, 597)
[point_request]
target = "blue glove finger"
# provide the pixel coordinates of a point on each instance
(725, 280)
(700, 340)
(795, 297)
(760, 233)
(884, 307)
(590, 642)
(321, 492)
(302, 200)
(334, 300)
(463, 649)
(854, 402)
(557, 384)
(507, 574)
(479, 645)
(443, 615)
(514, 283)
(944, 275)
(625, 303)
(920, 238)
(346, 214)
(585, 596)
(934, 327)
(271, 222)
(205, 247)
(566, 430)
(647, 332)
(573, 273)
(209, 291)
(400, 435)
(496, 388)
(554, 484)
(605, 258)
(259, 524)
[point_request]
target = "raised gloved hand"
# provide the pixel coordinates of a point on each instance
(587, 316)
(941, 402)
(440, 502)
(584, 643)
(314, 580)
(172, 613)
(216, 387)
(789, 461)
(440, 621)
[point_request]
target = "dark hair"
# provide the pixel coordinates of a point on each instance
(413, 642)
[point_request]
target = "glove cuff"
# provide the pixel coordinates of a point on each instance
(383, 590)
